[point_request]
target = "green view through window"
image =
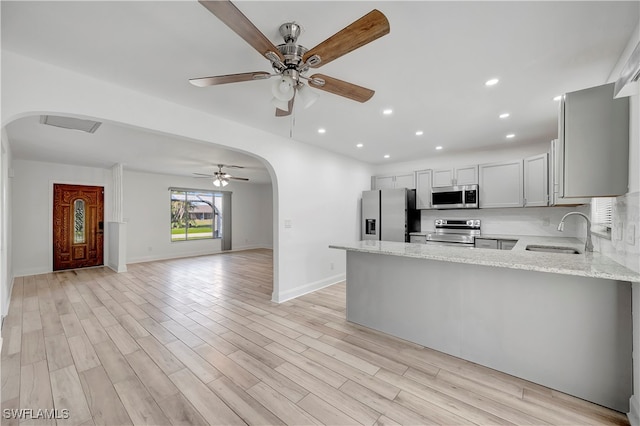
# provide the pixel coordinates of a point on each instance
(195, 215)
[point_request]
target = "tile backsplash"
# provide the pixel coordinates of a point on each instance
(515, 221)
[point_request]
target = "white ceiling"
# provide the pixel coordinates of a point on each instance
(430, 69)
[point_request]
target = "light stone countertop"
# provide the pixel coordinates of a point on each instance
(595, 265)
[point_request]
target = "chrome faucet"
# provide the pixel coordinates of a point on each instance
(588, 246)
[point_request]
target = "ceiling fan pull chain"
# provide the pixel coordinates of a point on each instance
(292, 123)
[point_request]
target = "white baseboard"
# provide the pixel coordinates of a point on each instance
(144, 259)
(193, 254)
(34, 271)
(307, 288)
(634, 410)
(118, 269)
(251, 247)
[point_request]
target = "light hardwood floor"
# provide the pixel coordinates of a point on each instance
(198, 341)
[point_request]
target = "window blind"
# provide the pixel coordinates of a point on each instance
(601, 213)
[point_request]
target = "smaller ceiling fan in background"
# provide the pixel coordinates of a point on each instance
(291, 61)
(220, 178)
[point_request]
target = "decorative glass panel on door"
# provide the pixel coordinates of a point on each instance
(79, 222)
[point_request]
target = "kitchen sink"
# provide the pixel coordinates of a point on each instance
(553, 249)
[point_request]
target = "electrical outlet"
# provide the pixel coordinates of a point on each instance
(631, 234)
(546, 221)
(150, 248)
(331, 266)
(287, 223)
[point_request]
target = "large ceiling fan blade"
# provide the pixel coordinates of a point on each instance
(228, 13)
(237, 178)
(202, 175)
(229, 78)
(370, 27)
(341, 88)
(283, 113)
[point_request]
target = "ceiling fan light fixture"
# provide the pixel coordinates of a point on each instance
(283, 89)
(220, 181)
(282, 105)
(307, 96)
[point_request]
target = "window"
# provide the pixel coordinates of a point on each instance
(601, 212)
(195, 215)
(78, 222)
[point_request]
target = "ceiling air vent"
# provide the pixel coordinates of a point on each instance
(88, 126)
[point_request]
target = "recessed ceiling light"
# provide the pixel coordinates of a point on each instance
(504, 115)
(387, 156)
(511, 136)
(321, 130)
(438, 148)
(492, 82)
(359, 145)
(419, 133)
(387, 111)
(557, 98)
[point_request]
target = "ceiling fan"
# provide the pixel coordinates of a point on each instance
(292, 61)
(220, 178)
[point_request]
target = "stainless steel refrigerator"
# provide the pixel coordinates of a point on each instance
(389, 214)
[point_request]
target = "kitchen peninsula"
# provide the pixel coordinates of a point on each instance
(560, 320)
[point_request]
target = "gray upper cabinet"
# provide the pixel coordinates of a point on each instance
(536, 184)
(501, 184)
(383, 182)
(406, 180)
(593, 133)
(423, 189)
(466, 175)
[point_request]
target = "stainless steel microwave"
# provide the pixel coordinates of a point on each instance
(455, 197)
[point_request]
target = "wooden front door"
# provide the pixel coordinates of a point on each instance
(78, 221)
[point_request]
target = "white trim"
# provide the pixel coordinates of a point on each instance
(634, 411)
(28, 272)
(193, 254)
(145, 259)
(307, 288)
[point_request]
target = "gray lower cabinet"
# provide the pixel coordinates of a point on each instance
(420, 239)
(506, 244)
(494, 243)
(486, 243)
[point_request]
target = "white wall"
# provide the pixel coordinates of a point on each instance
(317, 191)
(32, 209)
(147, 214)
(252, 213)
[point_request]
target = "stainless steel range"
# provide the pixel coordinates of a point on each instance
(454, 232)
